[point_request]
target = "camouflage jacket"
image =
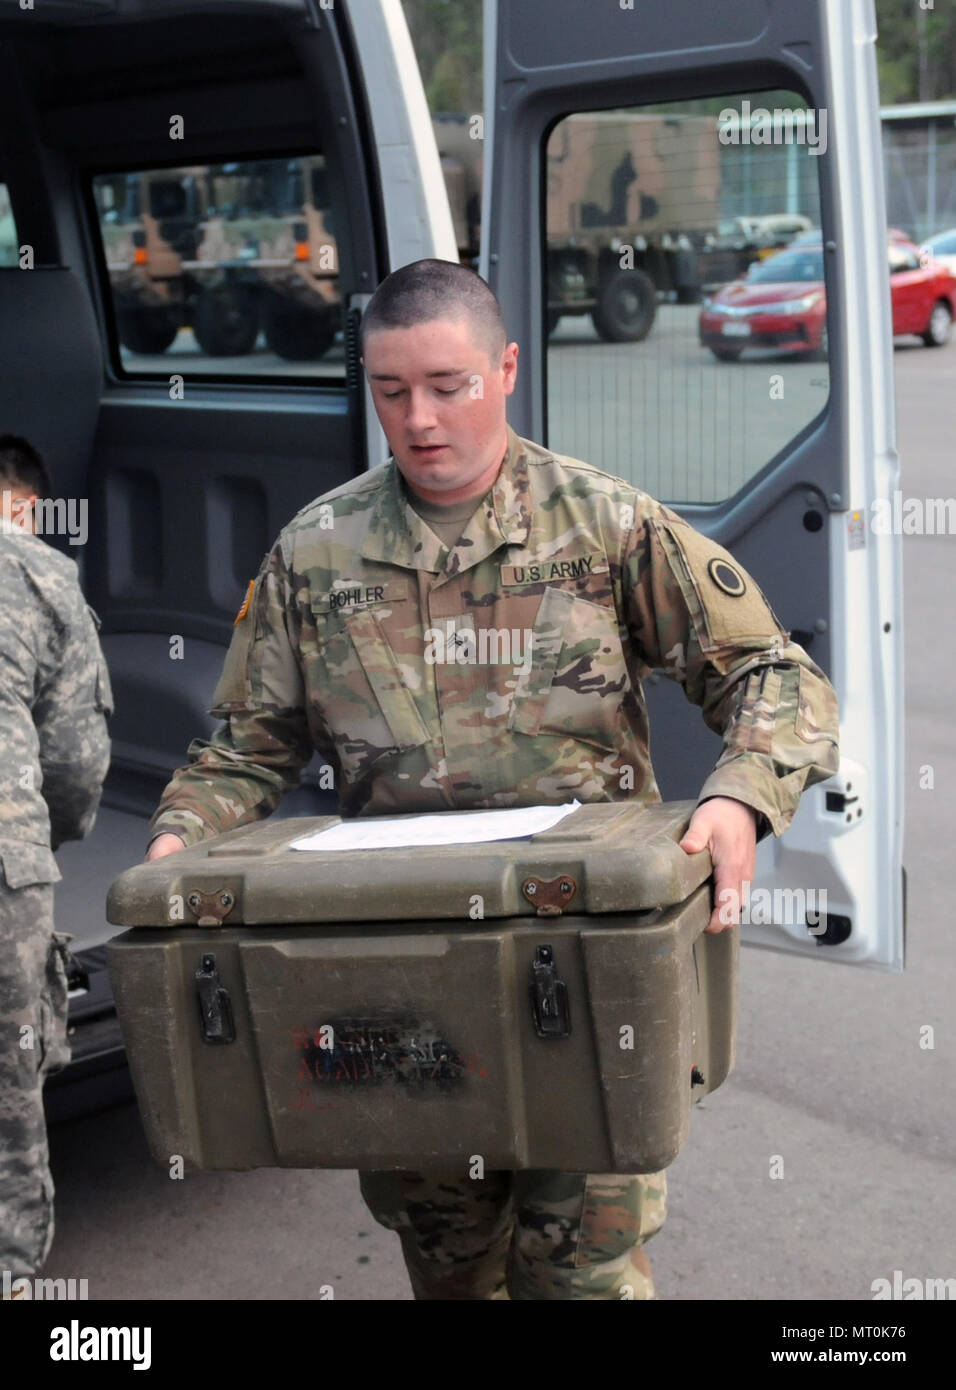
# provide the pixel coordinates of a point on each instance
(54, 699)
(505, 671)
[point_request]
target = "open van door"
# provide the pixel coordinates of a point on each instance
(767, 418)
(209, 191)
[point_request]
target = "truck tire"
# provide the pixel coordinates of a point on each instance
(627, 307)
(296, 333)
(225, 321)
(686, 276)
(146, 330)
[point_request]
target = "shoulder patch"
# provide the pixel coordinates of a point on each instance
(245, 603)
(725, 602)
(727, 577)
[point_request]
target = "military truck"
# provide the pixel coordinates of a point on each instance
(227, 250)
(267, 258)
(630, 199)
(232, 248)
(150, 224)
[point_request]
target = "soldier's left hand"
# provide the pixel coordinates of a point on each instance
(728, 829)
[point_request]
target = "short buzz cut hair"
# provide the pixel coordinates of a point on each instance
(22, 466)
(427, 290)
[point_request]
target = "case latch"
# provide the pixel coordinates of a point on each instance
(215, 1006)
(549, 996)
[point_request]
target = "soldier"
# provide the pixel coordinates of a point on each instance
(55, 697)
(384, 630)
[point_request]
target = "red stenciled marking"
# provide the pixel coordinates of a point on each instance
(305, 1101)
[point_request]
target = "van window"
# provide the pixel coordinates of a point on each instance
(227, 269)
(9, 244)
(682, 354)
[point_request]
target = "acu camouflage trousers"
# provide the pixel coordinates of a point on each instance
(33, 1043)
(524, 1235)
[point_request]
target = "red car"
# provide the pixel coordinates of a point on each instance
(780, 303)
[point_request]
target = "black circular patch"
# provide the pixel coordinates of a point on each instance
(728, 580)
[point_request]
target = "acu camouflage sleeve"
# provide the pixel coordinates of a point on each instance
(240, 774)
(70, 715)
(701, 619)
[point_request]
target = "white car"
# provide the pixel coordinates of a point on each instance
(942, 247)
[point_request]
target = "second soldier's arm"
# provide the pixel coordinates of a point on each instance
(72, 704)
(701, 619)
(241, 772)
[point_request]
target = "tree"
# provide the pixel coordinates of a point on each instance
(447, 35)
(916, 50)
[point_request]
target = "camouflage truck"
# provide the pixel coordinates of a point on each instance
(234, 248)
(268, 259)
(630, 199)
(151, 226)
(227, 250)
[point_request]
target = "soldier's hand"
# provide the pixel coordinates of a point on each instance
(728, 828)
(162, 845)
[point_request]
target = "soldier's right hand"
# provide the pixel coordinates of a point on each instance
(162, 845)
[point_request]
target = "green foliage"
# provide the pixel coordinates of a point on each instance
(447, 36)
(916, 51)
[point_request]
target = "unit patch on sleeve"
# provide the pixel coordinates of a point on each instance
(708, 576)
(245, 603)
(728, 579)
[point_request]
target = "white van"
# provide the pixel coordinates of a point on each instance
(192, 463)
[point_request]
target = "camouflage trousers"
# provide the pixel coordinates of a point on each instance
(33, 1043)
(526, 1235)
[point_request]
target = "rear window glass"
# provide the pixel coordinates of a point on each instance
(9, 245)
(943, 245)
(226, 269)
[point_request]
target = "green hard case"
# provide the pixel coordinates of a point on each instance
(546, 1002)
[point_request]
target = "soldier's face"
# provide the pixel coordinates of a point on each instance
(18, 507)
(441, 398)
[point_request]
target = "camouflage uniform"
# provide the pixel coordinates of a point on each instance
(53, 701)
(504, 670)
